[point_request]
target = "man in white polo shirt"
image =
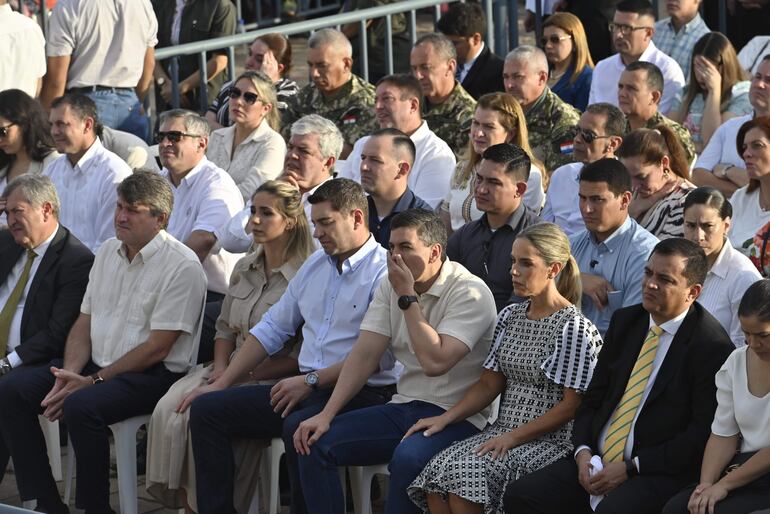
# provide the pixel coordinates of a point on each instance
(397, 104)
(86, 174)
(437, 318)
(205, 198)
(632, 31)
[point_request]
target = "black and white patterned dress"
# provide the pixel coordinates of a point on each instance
(538, 358)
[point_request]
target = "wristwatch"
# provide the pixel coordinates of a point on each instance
(160, 81)
(5, 366)
(405, 301)
(97, 378)
(311, 380)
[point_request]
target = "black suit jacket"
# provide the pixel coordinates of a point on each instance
(671, 431)
(54, 297)
(485, 76)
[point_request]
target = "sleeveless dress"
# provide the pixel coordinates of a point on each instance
(538, 358)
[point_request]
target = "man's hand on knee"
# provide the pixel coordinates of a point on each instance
(67, 382)
(310, 431)
(286, 394)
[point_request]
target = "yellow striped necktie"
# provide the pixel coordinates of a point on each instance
(623, 417)
(9, 310)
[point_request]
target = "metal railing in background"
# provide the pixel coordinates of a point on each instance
(410, 7)
(304, 9)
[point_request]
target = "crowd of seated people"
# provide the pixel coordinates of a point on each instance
(364, 270)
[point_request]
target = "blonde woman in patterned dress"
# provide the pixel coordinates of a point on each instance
(542, 359)
(283, 242)
(660, 177)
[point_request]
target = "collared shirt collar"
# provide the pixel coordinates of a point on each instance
(43, 247)
(689, 26)
(95, 148)
(354, 260)
(671, 326)
(228, 134)
(401, 205)
(513, 221)
(191, 175)
(651, 48)
(468, 65)
(614, 241)
(147, 250)
(539, 101)
(437, 287)
(722, 264)
(254, 262)
(421, 133)
(5, 10)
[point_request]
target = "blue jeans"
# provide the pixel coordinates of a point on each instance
(120, 109)
(218, 418)
(373, 436)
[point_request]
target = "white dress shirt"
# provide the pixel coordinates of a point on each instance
(562, 203)
(206, 199)
(88, 193)
(332, 306)
(604, 87)
(721, 148)
(431, 172)
(14, 335)
(233, 236)
(22, 52)
(670, 329)
(726, 281)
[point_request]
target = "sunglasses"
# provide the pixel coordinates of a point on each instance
(173, 136)
(588, 136)
(4, 130)
(249, 98)
(554, 39)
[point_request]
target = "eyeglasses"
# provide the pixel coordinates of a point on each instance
(625, 29)
(174, 136)
(249, 98)
(554, 39)
(588, 136)
(4, 130)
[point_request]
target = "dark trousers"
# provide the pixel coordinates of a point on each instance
(216, 419)
(374, 436)
(555, 490)
(87, 413)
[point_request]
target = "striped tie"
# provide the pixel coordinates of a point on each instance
(623, 417)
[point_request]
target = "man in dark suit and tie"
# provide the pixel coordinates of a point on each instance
(479, 70)
(43, 276)
(641, 429)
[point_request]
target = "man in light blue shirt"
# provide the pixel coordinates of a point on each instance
(326, 301)
(612, 250)
(678, 34)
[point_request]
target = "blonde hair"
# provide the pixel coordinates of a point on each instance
(553, 246)
(266, 93)
(300, 243)
(511, 117)
(581, 56)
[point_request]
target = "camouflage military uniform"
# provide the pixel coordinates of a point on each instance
(681, 133)
(552, 124)
(451, 120)
(351, 108)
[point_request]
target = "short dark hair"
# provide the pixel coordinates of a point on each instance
(756, 300)
(654, 76)
(463, 19)
(696, 265)
(344, 195)
(608, 170)
(616, 120)
(82, 106)
(430, 228)
(515, 159)
(640, 7)
(144, 187)
(401, 142)
(406, 83)
(710, 197)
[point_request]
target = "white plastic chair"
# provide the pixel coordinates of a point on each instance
(361, 483)
(52, 444)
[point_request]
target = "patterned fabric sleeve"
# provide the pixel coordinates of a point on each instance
(491, 362)
(572, 362)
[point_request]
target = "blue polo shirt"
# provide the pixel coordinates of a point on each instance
(380, 228)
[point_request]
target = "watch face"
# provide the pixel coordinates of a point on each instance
(405, 301)
(311, 379)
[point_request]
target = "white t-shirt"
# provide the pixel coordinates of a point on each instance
(22, 52)
(721, 148)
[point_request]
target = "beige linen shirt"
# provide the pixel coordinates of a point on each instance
(250, 295)
(257, 159)
(458, 304)
(162, 288)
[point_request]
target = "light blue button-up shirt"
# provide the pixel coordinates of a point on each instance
(332, 306)
(620, 260)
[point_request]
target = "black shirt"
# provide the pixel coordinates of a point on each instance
(381, 229)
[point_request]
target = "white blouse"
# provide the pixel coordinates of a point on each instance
(726, 281)
(748, 218)
(738, 410)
